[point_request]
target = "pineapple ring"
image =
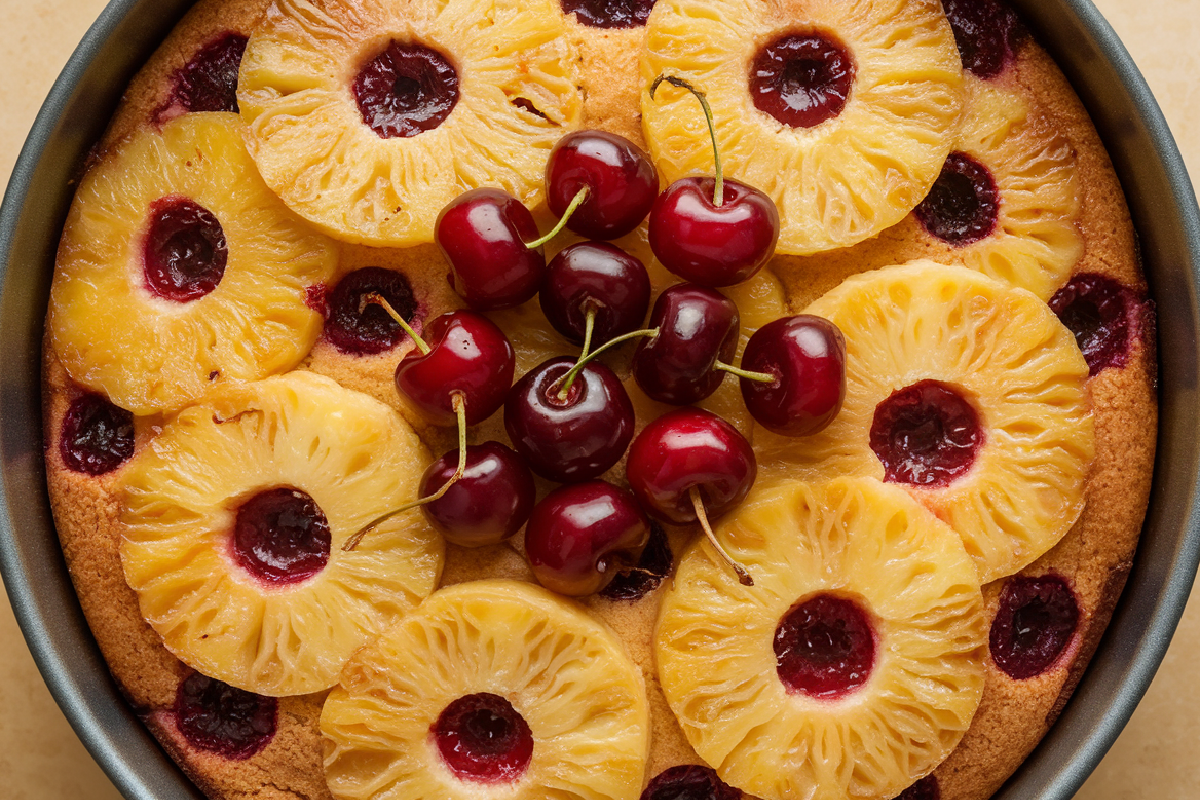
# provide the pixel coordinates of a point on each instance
(844, 180)
(148, 354)
(307, 134)
(852, 537)
(1015, 363)
(353, 455)
(581, 696)
(1037, 242)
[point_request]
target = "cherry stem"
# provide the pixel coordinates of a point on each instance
(460, 411)
(589, 326)
(568, 380)
(680, 83)
(698, 504)
(377, 299)
(761, 377)
(576, 201)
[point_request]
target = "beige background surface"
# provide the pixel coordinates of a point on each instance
(40, 758)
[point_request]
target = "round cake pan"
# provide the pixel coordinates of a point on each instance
(1164, 211)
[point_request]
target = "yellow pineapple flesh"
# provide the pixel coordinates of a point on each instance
(1008, 357)
(859, 541)
(308, 135)
(148, 353)
(567, 676)
(851, 176)
(182, 496)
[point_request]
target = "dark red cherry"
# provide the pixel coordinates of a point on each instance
(281, 536)
(208, 82)
(988, 34)
(482, 738)
(825, 647)
(359, 329)
(807, 356)
(713, 245)
(406, 90)
(925, 789)
(575, 438)
(802, 79)
(467, 354)
(927, 434)
(217, 718)
(488, 504)
(1035, 622)
(689, 782)
(685, 448)
(97, 436)
(600, 276)
(621, 181)
(184, 252)
(698, 327)
(482, 234)
(609, 13)
(650, 571)
(1104, 315)
(581, 535)
(963, 207)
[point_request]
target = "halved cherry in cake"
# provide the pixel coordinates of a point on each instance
(1036, 621)
(482, 738)
(987, 32)
(689, 782)
(215, 717)
(208, 82)
(648, 574)
(281, 536)
(1104, 316)
(802, 79)
(927, 434)
(825, 647)
(406, 90)
(184, 252)
(963, 207)
(925, 789)
(609, 13)
(97, 436)
(357, 327)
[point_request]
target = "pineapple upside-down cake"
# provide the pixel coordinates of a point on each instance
(321, 414)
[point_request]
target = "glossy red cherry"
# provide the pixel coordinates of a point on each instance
(467, 354)
(582, 535)
(184, 252)
(802, 79)
(571, 438)
(988, 34)
(807, 356)
(825, 647)
(359, 328)
(1105, 316)
(97, 436)
(281, 536)
(963, 207)
(217, 718)
(488, 504)
(697, 329)
(619, 176)
(1035, 622)
(482, 234)
(208, 82)
(596, 277)
(690, 448)
(406, 90)
(927, 434)
(483, 739)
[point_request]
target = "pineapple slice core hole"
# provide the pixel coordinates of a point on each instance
(280, 536)
(963, 207)
(406, 90)
(927, 434)
(802, 78)
(184, 253)
(483, 739)
(825, 646)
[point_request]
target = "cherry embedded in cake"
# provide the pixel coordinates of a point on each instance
(483, 739)
(1036, 621)
(356, 327)
(208, 82)
(184, 252)
(925, 789)
(802, 79)
(281, 536)
(97, 436)
(406, 90)
(825, 647)
(963, 207)
(988, 34)
(927, 434)
(689, 782)
(217, 718)
(1103, 314)
(648, 574)
(609, 13)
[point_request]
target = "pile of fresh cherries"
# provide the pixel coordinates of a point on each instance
(571, 420)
